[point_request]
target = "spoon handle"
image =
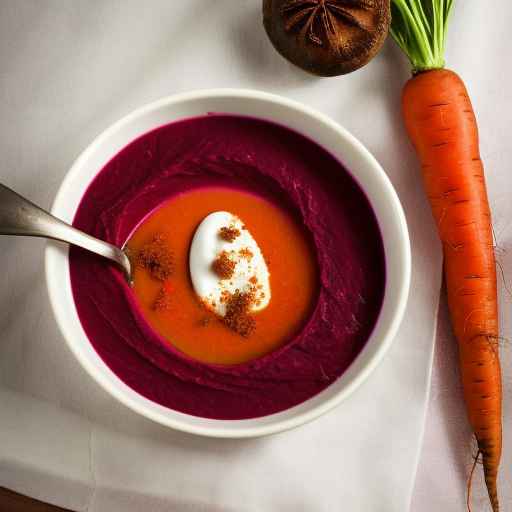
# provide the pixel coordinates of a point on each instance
(18, 216)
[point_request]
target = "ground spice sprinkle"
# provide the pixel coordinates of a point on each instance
(237, 315)
(223, 266)
(245, 253)
(229, 234)
(162, 301)
(156, 258)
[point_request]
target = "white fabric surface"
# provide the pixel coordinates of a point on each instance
(68, 70)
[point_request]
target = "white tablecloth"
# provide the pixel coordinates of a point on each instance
(68, 69)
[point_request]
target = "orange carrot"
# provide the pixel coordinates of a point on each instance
(442, 127)
(441, 124)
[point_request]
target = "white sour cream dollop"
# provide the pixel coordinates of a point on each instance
(250, 271)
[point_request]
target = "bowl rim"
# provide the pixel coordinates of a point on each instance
(121, 391)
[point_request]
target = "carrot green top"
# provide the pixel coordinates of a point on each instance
(419, 28)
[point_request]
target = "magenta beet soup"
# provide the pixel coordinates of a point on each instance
(259, 267)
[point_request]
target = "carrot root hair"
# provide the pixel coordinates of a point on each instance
(470, 480)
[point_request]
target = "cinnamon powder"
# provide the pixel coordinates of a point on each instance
(223, 266)
(157, 258)
(237, 315)
(162, 301)
(229, 234)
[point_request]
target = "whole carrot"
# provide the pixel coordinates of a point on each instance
(442, 127)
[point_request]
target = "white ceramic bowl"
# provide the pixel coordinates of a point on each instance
(305, 120)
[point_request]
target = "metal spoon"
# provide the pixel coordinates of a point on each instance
(18, 216)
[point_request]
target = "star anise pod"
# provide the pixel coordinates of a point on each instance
(327, 37)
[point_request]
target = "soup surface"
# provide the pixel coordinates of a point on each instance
(184, 321)
(314, 225)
